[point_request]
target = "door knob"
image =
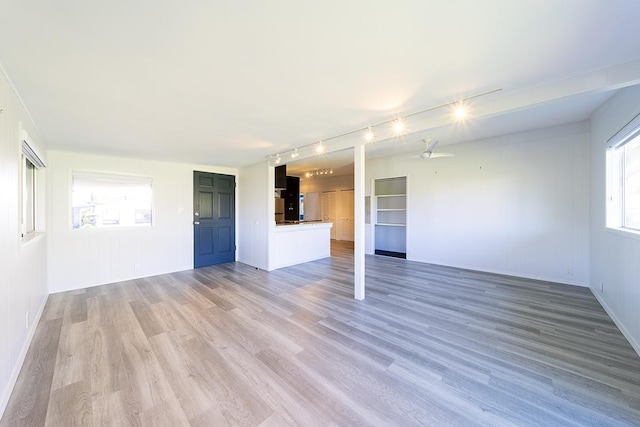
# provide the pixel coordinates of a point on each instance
(196, 214)
(196, 222)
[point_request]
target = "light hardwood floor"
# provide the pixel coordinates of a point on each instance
(232, 345)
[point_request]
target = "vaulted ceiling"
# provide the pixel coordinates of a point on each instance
(228, 83)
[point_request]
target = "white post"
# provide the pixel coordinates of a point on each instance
(358, 255)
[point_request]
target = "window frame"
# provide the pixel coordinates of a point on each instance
(615, 214)
(28, 214)
(29, 197)
(107, 176)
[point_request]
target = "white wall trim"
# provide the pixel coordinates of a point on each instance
(6, 393)
(619, 324)
(505, 273)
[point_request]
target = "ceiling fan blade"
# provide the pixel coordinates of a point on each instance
(431, 145)
(434, 155)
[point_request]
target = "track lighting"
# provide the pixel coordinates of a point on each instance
(398, 127)
(318, 172)
(369, 135)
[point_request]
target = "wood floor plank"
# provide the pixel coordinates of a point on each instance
(72, 361)
(70, 405)
(234, 345)
(167, 413)
(30, 398)
(182, 376)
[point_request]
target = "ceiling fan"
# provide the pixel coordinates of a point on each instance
(428, 151)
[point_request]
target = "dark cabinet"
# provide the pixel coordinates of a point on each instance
(292, 199)
(281, 176)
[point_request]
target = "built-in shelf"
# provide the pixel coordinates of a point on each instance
(390, 216)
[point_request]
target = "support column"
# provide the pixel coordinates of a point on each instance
(359, 242)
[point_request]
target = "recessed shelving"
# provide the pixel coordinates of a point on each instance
(391, 216)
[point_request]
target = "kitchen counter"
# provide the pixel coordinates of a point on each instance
(305, 224)
(298, 243)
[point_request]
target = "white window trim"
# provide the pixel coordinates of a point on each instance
(614, 178)
(29, 152)
(113, 177)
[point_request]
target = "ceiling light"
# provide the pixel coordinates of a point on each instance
(278, 159)
(369, 134)
(398, 126)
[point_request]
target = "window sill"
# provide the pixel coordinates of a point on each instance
(631, 234)
(32, 237)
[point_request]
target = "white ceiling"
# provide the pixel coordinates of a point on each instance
(228, 83)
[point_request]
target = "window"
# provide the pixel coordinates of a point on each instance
(104, 200)
(623, 178)
(28, 196)
(29, 165)
(631, 184)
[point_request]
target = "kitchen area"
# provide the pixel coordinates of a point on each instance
(296, 239)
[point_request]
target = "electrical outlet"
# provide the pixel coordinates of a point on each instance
(26, 320)
(136, 266)
(569, 271)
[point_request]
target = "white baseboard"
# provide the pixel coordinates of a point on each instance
(619, 324)
(6, 393)
(559, 280)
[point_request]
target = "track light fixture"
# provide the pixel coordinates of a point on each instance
(397, 126)
(369, 135)
(318, 172)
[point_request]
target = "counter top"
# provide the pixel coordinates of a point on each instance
(303, 226)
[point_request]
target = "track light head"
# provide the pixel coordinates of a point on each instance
(369, 135)
(398, 126)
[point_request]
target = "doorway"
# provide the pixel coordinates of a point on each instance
(214, 234)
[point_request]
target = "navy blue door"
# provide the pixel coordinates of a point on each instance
(213, 218)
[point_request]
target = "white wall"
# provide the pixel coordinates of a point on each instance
(516, 204)
(614, 257)
(23, 288)
(256, 193)
(82, 258)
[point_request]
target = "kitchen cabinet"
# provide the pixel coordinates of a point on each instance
(292, 199)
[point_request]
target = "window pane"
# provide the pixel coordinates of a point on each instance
(28, 197)
(102, 200)
(632, 184)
